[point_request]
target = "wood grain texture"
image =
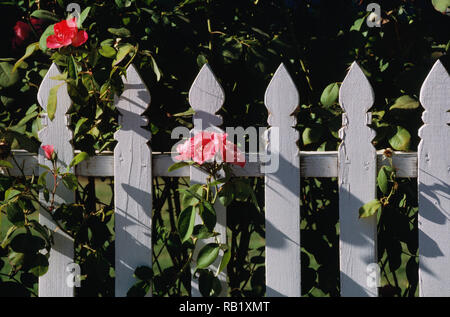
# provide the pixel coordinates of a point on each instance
(282, 189)
(434, 185)
(56, 133)
(206, 97)
(357, 165)
(132, 184)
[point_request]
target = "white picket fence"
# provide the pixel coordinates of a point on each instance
(355, 164)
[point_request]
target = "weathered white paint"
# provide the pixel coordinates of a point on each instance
(282, 189)
(434, 185)
(132, 183)
(206, 97)
(357, 165)
(56, 133)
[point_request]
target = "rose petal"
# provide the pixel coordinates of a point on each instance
(53, 42)
(80, 38)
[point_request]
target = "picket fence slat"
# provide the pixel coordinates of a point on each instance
(282, 189)
(132, 184)
(357, 185)
(206, 97)
(434, 185)
(56, 133)
(133, 165)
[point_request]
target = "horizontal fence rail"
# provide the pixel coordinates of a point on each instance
(312, 164)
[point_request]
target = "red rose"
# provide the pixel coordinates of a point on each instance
(66, 33)
(22, 31)
(48, 151)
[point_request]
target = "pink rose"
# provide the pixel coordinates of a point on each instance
(48, 151)
(205, 146)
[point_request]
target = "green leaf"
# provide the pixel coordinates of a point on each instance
(6, 164)
(123, 52)
(143, 273)
(209, 285)
(52, 101)
(27, 243)
(15, 214)
(225, 259)
(358, 24)
(207, 255)
(441, 5)
(45, 15)
(226, 194)
(80, 157)
(83, 17)
(186, 113)
(11, 193)
(202, 232)
(28, 52)
(70, 181)
(140, 289)
(370, 208)
(405, 102)
(177, 165)
(39, 265)
(401, 140)
(72, 68)
(155, 68)
(43, 40)
(330, 95)
(312, 135)
(382, 180)
(7, 77)
(186, 222)
(26, 142)
(107, 51)
(122, 32)
(208, 215)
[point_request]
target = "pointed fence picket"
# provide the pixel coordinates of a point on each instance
(357, 185)
(56, 133)
(282, 188)
(355, 164)
(132, 183)
(206, 97)
(434, 185)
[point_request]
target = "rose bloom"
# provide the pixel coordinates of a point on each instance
(48, 151)
(205, 146)
(67, 33)
(23, 30)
